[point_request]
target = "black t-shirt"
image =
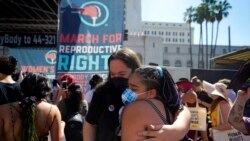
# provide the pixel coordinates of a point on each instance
(104, 111)
(10, 92)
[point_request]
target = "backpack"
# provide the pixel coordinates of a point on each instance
(73, 127)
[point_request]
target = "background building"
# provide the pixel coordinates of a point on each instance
(170, 33)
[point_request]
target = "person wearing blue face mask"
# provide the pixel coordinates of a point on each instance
(102, 120)
(151, 98)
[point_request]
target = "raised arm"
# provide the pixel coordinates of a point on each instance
(235, 117)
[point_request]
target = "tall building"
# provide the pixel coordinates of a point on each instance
(133, 16)
(153, 50)
(165, 43)
(170, 33)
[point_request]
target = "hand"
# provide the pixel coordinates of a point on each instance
(243, 95)
(159, 133)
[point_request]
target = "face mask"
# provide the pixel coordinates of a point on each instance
(128, 96)
(119, 83)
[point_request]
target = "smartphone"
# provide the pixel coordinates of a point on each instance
(64, 85)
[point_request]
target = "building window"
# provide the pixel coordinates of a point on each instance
(166, 63)
(200, 65)
(166, 49)
(168, 40)
(175, 33)
(175, 40)
(182, 33)
(178, 50)
(182, 40)
(153, 45)
(177, 63)
(189, 63)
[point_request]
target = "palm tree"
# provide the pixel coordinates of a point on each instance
(207, 5)
(188, 17)
(212, 20)
(222, 11)
(199, 18)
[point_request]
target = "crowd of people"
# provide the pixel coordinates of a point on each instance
(135, 102)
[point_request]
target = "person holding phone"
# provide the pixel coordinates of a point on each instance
(64, 81)
(66, 96)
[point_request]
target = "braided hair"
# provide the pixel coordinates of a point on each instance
(34, 87)
(159, 78)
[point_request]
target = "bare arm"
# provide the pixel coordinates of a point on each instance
(236, 112)
(57, 131)
(173, 132)
(59, 96)
(224, 107)
(133, 120)
(89, 131)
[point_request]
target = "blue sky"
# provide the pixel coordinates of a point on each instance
(173, 11)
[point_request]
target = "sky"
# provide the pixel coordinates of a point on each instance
(173, 11)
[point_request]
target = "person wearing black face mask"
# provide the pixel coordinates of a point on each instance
(102, 117)
(102, 120)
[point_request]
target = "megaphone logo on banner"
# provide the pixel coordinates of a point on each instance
(93, 13)
(50, 57)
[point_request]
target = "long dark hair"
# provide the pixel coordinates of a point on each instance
(159, 78)
(95, 80)
(74, 100)
(128, 57)
(34, 87)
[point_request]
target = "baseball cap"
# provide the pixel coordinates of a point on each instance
(184, 85)
(69, 78)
